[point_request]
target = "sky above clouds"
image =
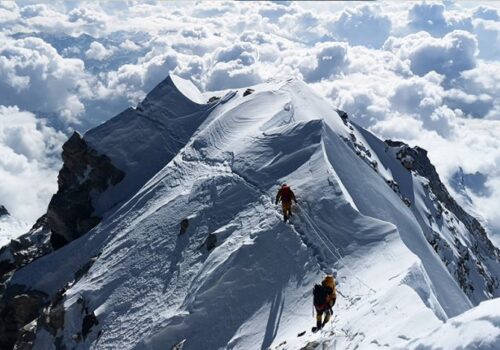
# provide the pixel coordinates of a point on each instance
(423, 72)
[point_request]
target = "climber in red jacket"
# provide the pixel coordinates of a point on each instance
(286, 195)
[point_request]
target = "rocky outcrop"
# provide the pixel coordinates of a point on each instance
(69, 214)
(23, 250)
(89, 321)
(421, 164)
(16, 313)
(19, 307)
(90, 169)
(248, 92)
(46, 316)
(3, 211)
(213, 99)
(466, 263)
(26, 338)
(343, 115)
(23, 314)
(84, 172)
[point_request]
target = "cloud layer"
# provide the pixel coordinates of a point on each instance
(28, 164)
(424, 72)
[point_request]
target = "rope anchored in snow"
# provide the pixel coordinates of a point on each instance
(337, 253)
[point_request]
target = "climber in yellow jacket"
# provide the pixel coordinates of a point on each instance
(325, 295)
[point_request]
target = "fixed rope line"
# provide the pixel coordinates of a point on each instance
(337, 255)
(316, 229)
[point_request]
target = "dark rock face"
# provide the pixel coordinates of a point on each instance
(18, 307)
(343, 115)
(248, 92)
(213, 99)
(16, 313)
(89, 321)
(47, 316)
(211, 241)
(184, 226)
(3, 211)
(24, 313)
(84, 172)
(26, 338)
(54, 317)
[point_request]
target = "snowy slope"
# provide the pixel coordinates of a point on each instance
(10, 227)
(220, 165)
(478, 328)
(143, 140)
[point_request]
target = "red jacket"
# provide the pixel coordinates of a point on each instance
(285, 194)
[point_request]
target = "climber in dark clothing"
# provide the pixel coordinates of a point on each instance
(210, 242)
(286, 195)
(325, 295)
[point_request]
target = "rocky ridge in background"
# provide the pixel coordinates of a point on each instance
(462, 261)
(84, 173)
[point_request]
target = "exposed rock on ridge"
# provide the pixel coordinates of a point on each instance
(3, 211)
(84, 172)
(465, 263)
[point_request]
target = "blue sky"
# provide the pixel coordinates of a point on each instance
(423, 72)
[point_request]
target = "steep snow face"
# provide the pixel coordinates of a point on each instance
(141, 141)
(219, 166)
(10, 227)
(188, 89)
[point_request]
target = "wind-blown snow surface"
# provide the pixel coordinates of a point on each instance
(152, 289)
(478, 328)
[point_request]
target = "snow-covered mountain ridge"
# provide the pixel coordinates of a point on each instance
(407, 258)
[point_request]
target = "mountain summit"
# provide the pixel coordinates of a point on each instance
(121, 261)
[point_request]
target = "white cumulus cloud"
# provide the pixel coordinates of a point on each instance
(449, 55)
(98, 51)
(426, 72)
(33, 75)
(365, 25)
(29, 162)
